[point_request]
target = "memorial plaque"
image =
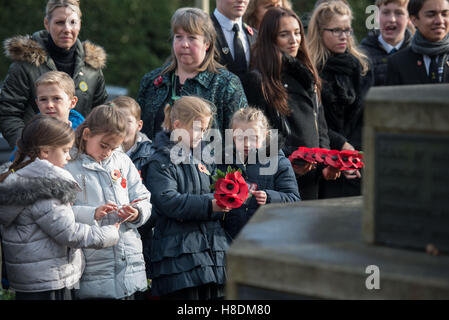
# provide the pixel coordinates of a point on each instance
(412, 190)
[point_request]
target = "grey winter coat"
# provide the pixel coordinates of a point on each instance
(30, 60)
(39, 229)
(119, 271)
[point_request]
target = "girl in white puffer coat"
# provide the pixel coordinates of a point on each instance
(40, 235)
(112, 192)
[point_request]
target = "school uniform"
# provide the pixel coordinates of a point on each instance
(225, 44)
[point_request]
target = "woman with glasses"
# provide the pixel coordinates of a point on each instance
(342, 68)
(284, 83)
(191, 71)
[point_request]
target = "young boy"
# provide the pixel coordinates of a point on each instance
(139, 148)
(426, 60)
(393, 36)
(55, 97)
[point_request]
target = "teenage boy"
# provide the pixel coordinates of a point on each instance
(393, 36)
(426, 61)
(234, 37)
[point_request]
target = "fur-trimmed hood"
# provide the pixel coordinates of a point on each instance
(32, 49)
(38, 181)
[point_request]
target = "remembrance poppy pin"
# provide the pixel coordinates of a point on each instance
(203, 169)
(157, 81)
(115, 175)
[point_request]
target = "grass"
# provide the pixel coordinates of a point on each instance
(6, 294)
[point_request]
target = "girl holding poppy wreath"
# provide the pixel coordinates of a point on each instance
(251, 130)
(189, 243)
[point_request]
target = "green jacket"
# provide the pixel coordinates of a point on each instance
(224, 90)
(30, 61)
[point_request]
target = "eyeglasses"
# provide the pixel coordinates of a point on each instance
(337, 32)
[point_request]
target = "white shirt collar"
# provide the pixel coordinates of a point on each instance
(388, 47)
(225, 22)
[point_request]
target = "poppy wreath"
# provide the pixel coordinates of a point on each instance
(231, 189)
(343, 160)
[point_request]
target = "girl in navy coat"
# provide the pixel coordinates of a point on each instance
(262, 165)
(189, 243)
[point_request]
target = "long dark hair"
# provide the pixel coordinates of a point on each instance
(41, 131)
(267, 58)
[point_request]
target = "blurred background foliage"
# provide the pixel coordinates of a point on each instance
(135, 33)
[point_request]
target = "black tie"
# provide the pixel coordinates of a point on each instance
(239, 52)
(394, 50)
(433, 70)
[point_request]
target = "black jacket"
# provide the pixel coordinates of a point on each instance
(407, 67)
(379, 57)
(189, 243)
(342, 95)
(31, 59)
(306, 125)
(223, 47)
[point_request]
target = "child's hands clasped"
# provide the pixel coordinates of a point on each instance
(103, 210)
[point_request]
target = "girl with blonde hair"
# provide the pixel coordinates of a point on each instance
(345, 81)
(188, 244)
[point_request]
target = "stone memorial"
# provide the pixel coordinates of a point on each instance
(370, 247)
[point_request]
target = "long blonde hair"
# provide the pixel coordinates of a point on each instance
(320, 18)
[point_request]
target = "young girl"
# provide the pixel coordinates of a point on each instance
(110, 185)
(342, 68)
(38, 225)
(284, 83)
(251, 130)
(189, 244)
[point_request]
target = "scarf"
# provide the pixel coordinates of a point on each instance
(423, 46)
(344, 63)
(64, 59)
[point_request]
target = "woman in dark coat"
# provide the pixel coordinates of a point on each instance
(285, 85)
(343, 69)
(57, 48)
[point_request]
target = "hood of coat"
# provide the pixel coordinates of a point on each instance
(40, 180)
(32, 49)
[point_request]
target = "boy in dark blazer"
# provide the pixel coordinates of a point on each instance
(426, 61)
(234, 46)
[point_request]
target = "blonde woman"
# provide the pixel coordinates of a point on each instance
(342, 68)
(257, 9)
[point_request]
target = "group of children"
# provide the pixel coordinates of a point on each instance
(107, 189)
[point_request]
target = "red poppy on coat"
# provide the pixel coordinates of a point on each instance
(124, 183)
(157, 81)
(228, 200)
(226, 186)
(333, 159)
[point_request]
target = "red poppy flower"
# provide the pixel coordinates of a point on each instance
(228, 200)
(333, 159)
(319, 154)
(250, 30)
(124, 183)
(157, 81)
(226, 186)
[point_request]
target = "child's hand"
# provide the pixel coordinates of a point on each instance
(261, 197)
(331, 173)
(217, 208)
(128, 213)
(103, 210)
